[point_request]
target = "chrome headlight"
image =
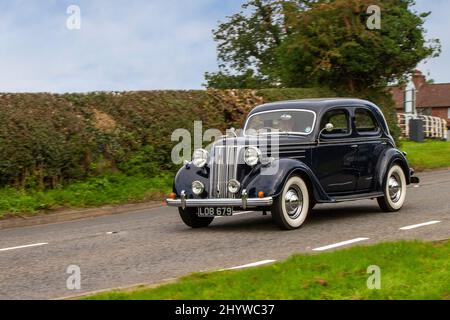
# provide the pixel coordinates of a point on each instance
(200, 158)
(252, 156)
(198, 188)
(234, 186)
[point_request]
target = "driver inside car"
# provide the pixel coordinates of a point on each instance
(286, 123)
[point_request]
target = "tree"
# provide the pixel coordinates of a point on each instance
(304, 43)
(247, 45)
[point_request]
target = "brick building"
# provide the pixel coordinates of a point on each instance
(431, 99)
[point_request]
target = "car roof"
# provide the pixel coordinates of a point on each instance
(319, 106)
(316, 105)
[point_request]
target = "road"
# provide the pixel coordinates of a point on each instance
(150, 246)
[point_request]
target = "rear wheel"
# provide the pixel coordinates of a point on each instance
(191, 219)
(292, 206)
(394, 189)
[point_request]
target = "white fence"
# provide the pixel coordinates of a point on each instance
(434, 127)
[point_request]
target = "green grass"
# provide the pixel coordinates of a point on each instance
(111, 189)
(427, 155)
(409, 270)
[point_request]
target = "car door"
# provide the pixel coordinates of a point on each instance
(334, 157)
(370, 148)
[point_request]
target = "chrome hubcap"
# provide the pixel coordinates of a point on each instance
(294, 202)
(395, 187)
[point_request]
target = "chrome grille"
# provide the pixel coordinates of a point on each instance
(224, 163)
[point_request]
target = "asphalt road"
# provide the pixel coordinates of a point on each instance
(153, 245)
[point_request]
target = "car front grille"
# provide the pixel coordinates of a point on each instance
(224, 164)
(227, 158)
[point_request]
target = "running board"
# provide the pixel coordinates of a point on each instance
(361, 196)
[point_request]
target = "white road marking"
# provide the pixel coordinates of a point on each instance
(251, 265)
(23, 247)
(341, 244)
(237, 214)
(420, 225)
(241, 213)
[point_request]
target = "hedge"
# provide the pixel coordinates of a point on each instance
(47, 140)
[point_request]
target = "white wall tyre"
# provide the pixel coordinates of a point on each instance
(291, 208)
(394, 189)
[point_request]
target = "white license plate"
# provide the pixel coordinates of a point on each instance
(215, 212)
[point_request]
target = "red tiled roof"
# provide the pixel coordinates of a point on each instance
(434, 95)
(398, 95)
(429, 95)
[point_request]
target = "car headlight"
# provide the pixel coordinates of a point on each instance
(234, 186)
(200, 158)
(198, 188)
(252, 156)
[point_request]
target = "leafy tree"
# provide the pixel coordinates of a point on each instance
(304, 43)
(247, 46)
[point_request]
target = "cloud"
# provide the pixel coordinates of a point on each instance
(133, 44)
(437, 26)
(122, 45)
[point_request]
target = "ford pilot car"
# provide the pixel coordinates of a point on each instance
(291, 156)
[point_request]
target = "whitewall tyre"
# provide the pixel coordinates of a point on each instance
(394, 189)
(291, 208)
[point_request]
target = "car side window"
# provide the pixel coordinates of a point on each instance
(365, 122)
(340, 120)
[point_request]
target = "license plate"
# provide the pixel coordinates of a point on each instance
(215, 212)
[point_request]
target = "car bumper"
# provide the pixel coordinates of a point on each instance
(241, 203)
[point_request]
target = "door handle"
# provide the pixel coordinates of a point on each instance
(355, 146)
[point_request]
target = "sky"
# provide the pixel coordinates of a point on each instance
(134, 44)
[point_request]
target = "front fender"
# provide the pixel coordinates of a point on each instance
(273, 184)
(186, 175)
(386, 161)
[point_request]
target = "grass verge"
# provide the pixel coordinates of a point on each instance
(409, 270)
(427, 155)
(110, 189)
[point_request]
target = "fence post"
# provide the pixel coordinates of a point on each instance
(433, 127)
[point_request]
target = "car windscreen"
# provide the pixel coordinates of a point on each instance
(281, 121)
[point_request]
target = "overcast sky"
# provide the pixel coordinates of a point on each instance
(134, 44)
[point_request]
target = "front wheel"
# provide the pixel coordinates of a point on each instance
(394, 190)
(292, 207)
(191, 219)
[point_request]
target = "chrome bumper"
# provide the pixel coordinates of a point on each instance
(244, 203)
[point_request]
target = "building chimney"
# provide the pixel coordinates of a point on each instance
(410, 95)
(419, 79)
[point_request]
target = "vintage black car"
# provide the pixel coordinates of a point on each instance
(291, 156)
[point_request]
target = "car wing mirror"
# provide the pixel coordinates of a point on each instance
(329, 127)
